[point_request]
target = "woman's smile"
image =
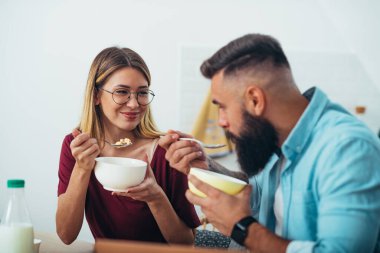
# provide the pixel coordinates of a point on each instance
(131, 115)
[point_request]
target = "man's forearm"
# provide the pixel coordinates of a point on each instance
(216, 167)
(261, 240)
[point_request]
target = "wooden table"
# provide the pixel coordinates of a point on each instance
(52, 244)
(118, 246)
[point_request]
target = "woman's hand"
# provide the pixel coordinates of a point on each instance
(148, 191)
(84, 149)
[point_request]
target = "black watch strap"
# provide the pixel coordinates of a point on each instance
(240, 230)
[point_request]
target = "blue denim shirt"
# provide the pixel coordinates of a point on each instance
(330, 182)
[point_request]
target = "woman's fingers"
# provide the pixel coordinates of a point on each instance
(91, 152)
(89, 143)
(80, 139)
(134, 195)
(75, 132)
(85, 150)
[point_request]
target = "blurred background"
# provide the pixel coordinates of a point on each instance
(46, 48)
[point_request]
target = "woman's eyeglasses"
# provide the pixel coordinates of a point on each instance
(122, 96)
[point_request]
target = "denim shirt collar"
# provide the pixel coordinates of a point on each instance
(298, 137)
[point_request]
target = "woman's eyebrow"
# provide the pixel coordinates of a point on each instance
(122, 86)
(129, 87)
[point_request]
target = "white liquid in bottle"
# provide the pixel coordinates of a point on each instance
(16, 229)
(16, 238)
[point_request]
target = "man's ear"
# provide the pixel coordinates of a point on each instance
(255, 100)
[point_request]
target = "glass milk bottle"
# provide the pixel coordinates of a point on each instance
(16, 230)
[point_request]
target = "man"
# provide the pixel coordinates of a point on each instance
(314, 169)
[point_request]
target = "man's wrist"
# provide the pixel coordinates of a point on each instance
(240, 230)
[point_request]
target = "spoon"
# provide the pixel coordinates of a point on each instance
(122, 143)
(204, 145)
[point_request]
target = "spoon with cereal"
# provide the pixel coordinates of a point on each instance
(122, 143)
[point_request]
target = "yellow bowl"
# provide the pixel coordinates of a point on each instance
(227, 184)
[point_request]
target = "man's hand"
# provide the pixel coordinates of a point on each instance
(221, 209)
(182, 154)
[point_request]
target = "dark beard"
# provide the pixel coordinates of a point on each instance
(255, 144)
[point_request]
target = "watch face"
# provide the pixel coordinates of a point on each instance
(242, 227)
(239, 236)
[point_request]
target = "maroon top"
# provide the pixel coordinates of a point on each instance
(118, 217)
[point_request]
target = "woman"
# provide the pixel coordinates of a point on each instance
(116, 106)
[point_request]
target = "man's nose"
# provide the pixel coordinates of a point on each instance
(222, 121)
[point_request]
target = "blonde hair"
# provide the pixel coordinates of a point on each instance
(104, 65)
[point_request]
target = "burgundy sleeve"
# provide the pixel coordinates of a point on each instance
(66, 165)
(178, 186)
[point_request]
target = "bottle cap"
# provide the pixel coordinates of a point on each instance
(16, 183)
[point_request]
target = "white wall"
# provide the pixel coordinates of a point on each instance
(46, 48)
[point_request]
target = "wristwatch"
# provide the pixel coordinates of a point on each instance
(240, 230)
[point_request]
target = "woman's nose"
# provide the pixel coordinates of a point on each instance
(132, 102)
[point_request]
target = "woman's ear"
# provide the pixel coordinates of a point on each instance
(255, 100)
(96, 97)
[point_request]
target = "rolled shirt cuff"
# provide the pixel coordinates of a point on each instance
(300, 247)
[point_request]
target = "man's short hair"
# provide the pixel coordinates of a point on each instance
(244, 53)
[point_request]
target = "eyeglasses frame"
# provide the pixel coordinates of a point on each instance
(129, 98)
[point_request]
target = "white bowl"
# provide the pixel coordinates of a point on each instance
(119, 173)
(227, 184)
